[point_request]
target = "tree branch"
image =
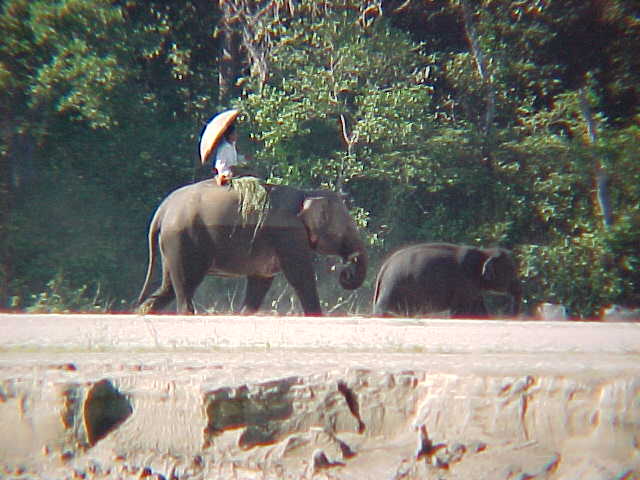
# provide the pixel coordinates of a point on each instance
(481, 67)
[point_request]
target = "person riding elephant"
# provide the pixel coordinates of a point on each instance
(205, 229)
(227, 163)
(435, 277)
(217, 145)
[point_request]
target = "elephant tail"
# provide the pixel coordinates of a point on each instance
(376, 291)
(154, 233)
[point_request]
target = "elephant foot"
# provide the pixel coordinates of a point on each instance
(144, 309)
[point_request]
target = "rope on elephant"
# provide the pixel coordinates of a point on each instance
(254, 198)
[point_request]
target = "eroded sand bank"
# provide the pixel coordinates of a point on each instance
(289, 397)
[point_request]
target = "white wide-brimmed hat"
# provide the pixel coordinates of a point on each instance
(213, 132)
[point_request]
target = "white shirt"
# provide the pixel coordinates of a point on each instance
(226, 157)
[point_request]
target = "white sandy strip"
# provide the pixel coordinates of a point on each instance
(358, 334)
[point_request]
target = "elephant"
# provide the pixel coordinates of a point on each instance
(201, 231)
(435, 277)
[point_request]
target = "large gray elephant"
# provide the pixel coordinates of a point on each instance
(435, 277)
(201, 230)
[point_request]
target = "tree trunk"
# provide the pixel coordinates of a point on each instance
(486, 120)
(601, 176)
(230, 56)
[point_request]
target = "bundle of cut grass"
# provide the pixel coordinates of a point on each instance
(254, 198)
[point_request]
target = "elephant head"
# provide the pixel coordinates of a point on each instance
(499, 274)
(332, 231)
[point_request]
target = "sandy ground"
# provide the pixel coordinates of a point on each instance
(127, 396)
(206, 333)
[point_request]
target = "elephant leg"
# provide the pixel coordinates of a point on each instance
(295, 259)
(479, 309)
(380, 307)
(474, 308)
(302, 278)
(304, 283)
(397, 300)
(186, 280)
(383, 305)
(159, 299)
(298, 271)
(257, 288)
(188, 266)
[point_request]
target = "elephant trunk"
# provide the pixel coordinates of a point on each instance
(515, 291)
(353, 274)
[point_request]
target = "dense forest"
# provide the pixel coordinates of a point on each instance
(486, 122)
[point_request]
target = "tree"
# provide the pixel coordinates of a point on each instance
(335, 91)
(111, 124)
(49, 66)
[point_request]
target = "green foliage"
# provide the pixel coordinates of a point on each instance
(568, 272)
(59, 57)
(338, 71)
(60, 297)
(102, 103)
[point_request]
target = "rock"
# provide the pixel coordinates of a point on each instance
(319, 460)
(451, 453)
(618, 313)
(551, 312)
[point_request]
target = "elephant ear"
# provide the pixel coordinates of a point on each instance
(315, 216)
(472, 261)
(489, 266)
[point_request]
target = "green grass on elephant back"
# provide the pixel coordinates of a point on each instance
(254, 197)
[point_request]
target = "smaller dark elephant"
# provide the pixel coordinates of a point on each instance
(435, 277)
